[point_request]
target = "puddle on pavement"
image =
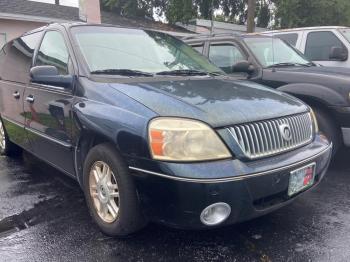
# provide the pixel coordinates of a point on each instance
(27, 218)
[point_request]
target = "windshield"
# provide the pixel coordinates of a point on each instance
(274, 51)
(346, 33)
(111, 49)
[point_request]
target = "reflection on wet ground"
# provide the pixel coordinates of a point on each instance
(43, 217)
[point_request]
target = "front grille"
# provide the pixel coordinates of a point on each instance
(265, 138)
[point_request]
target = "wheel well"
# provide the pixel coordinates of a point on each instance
(318, 104)
(86, 141)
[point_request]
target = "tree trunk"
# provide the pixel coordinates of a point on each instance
(57, 2)
(251, 16)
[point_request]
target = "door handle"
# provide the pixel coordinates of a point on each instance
(30, 99)
(16, 95)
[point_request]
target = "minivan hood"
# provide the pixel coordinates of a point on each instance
(218, 102)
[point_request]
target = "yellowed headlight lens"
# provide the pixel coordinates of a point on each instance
(177, 139)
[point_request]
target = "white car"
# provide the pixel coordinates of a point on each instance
(324, 45)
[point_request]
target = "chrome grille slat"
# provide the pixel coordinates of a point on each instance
(277, 134)
(264, 138)
(269, 138)
(295, 131)
(246, 140)
(300, 129)
(251, 140)
(255, 139)
(274, 139)
(241, 138)
(262, 135)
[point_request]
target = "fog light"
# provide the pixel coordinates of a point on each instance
(215, 214)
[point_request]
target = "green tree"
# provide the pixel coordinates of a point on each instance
(263, 13)
(234, 11)
(206, 7)
(131, 7)
(180, 11)
(299, 13)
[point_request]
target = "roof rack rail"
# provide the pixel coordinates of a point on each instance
(212, 35)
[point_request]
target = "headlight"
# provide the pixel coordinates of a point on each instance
(177, 139)
(314, 120)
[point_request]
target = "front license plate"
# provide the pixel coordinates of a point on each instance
(301, 179)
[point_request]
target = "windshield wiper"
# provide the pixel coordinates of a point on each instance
(122, 72)
(183, 72)
(289, 64)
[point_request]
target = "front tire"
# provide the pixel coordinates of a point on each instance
(328, 128)
(110, 192)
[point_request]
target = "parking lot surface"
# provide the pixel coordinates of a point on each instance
(43, 217)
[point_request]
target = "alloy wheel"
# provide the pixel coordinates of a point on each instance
(104, 191)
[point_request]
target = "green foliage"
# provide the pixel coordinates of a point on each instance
(206, 7)
(180, 11)
(281, 13)
(263, 13)
(131, 7)
(299, 13)
(235, 10)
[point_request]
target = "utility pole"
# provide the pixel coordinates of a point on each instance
(251, 16)
(212, 18)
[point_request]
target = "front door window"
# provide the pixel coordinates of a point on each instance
(225, 56)
(53, 51)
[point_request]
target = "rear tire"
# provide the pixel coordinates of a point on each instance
(7, 148)
(110, 192)
(328, 128)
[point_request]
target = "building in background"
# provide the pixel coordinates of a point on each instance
(19, 16)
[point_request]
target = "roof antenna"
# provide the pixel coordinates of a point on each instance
(273, 49)
(212, 19)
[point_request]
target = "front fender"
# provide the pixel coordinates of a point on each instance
(127, 129)
(316, 92)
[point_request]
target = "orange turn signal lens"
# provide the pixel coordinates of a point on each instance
(156, 142)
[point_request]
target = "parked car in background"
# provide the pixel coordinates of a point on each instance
(161, 135)
(272, 62)
(325, 45)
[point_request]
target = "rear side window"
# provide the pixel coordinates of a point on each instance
(289, 38)
(319, 45)
(18, 58)
(53, 51)
(225, 56)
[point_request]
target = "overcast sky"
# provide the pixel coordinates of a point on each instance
(62, 2)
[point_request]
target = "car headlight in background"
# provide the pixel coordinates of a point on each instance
(314, 120)
(177, 139)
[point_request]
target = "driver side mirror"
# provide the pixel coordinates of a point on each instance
(243, 67)
(338, 53)
(49, 75)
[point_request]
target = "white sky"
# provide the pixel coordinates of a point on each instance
(74, 3)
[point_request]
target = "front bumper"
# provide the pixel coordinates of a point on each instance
(251, 188)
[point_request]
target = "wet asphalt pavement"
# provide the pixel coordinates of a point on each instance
(43, 217)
